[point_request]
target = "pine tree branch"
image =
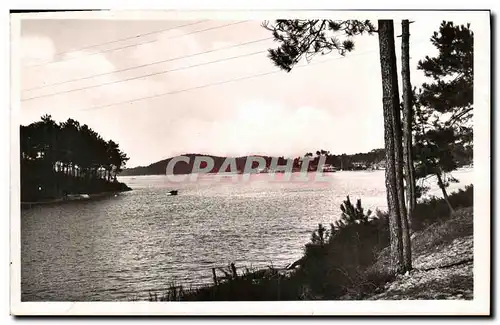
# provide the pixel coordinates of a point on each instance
(456, 117)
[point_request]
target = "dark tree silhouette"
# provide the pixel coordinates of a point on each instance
(58, 159)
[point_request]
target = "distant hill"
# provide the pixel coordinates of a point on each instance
(160, 167)
(374, 158)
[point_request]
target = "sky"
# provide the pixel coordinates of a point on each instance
(333, 103)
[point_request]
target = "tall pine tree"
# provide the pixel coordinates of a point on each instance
(407, 118)
(443, 132)
(306, 38)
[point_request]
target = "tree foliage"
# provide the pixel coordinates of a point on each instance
(452, 71)
(444, 106)
(306, 38)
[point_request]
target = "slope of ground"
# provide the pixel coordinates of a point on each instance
(442, 261)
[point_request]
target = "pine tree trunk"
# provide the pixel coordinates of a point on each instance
(407, 119)
(445, 194)
(400, 166)
(390, 105)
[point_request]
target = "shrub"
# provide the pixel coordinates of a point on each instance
(352, 214)
(434, 209)
(259, 285)
(334, 261)
(320, 236)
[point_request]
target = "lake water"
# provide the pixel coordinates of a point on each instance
(122, 247)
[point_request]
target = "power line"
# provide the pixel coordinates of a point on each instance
(94, 53)
(222, 82)
(216, 83)
(115, 41)
(144, 76)
(134, 45)
(148, 64)
(135, 36)
(188, 89)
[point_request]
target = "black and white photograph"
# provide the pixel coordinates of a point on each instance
(281, 160)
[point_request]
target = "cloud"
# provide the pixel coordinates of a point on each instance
(36, 49)
(262, 127)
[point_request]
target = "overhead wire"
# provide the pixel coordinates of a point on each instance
(115, 41)
(148, 64)
(198, 87)
(137, 44)
(144, 76)
(215, 84)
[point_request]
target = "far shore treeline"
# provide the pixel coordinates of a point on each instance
(373, 160)
(58, 159)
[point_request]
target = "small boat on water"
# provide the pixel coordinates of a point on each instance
(329, 169)
(75, 197)
(173, 192)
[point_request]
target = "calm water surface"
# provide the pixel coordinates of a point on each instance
(122, 247)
